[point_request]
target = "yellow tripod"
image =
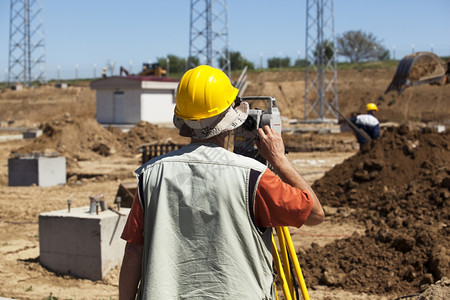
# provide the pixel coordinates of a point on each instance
(282, 264)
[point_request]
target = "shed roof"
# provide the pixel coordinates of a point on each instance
(134, 82)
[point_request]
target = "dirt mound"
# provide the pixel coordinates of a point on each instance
(400, 189)
(144, 133)
(83, 138)
(80, 138)
(401, 165)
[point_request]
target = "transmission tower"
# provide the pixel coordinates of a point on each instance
(321, 75)
(26, 43)
(209, 34)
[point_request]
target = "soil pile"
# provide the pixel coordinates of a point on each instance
(145, 133)
(400, 189)
(81, 138)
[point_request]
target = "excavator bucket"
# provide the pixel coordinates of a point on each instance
(416, 69)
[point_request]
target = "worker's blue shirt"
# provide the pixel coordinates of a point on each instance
(369, 124)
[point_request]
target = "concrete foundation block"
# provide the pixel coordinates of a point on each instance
(41, 170)
(32, 134)
(80, 243)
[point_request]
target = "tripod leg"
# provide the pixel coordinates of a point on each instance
(279, 266)
(284, 256)
(294, 258)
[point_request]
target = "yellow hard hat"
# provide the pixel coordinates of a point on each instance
(371, 106)
(204, 92)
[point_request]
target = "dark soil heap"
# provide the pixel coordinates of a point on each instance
(79, 138)
(400, 189)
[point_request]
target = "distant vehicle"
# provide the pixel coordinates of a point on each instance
(147, 70)
(420, 68)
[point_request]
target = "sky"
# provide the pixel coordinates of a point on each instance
(83, 36)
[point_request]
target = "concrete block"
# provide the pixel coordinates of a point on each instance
(41, 170)
(32, 134)
(80, 243)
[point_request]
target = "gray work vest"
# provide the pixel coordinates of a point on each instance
(200, 241)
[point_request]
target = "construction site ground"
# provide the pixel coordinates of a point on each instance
(386, 231)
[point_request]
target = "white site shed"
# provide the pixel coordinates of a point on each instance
(131, 99)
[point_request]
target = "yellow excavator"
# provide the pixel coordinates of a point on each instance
(420, 68)
(147, 70)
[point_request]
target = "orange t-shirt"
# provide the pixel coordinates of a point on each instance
(276, 204)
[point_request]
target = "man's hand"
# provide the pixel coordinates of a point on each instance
(270, 145)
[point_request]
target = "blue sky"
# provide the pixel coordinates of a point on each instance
(87, 32)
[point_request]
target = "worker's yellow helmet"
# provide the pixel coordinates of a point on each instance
(204, 92)
(371, 106)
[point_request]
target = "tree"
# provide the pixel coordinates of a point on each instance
(360, 46)
(237, 61)
(328, 50)
(278, 62)
(172, 63)
(383, 54)
(301, 63)
(175, 64)
(195, 61)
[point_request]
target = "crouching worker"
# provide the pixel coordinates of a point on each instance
(200, 224)
(369, 123)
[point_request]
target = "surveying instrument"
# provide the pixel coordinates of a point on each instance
(244, 144)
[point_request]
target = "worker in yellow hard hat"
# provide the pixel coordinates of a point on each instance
(104, 72)
(367, 122)
(206, 104)
(371, 107)
(200, 223)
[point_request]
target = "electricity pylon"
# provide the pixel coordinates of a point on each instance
(209, 34)
(321, 75)
(26, 43)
